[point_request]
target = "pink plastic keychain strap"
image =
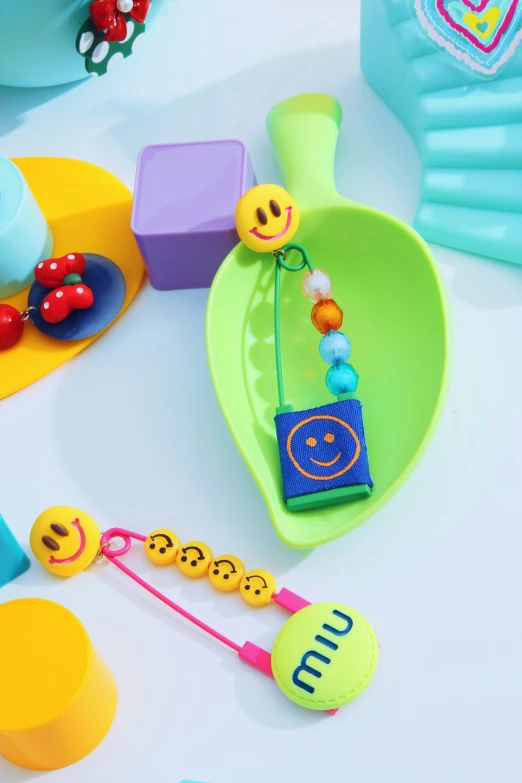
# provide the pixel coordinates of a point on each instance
(249, 653)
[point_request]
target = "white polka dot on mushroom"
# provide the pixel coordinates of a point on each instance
(59, 294)
(80, 290)
(46, 305)
(114, 59)
(54, 266)
(130, 31)
(100, 52)
(86, 42)
(71, 257)
(40, 265)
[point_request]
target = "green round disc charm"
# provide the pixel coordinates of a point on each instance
(325, 656)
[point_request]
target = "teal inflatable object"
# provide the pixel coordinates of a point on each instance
(38, 41)
(468, 131)
(13, 560)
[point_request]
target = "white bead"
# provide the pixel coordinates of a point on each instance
(125, 6)
(317, 285)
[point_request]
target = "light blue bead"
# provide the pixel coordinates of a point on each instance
(341, 379)
(335, 347)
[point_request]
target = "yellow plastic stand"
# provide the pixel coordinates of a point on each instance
(57, 697)
(88, 211)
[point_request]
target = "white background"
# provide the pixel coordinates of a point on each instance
(118, 433)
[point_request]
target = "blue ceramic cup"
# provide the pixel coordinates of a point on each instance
(25, 237)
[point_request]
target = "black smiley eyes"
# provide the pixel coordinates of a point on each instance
(162, 549)
(193, 563)
(216, 573)
(49, 542)
(60, 530)
(275, 210)
(257, 592)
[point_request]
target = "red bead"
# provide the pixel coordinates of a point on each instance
(11, 326)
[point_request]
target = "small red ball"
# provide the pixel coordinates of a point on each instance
(11, 326)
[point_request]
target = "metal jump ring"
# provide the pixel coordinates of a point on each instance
(25, 313)
(99, 554)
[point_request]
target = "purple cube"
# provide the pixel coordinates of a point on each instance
(183, 211)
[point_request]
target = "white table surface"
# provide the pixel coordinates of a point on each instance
(437, 571)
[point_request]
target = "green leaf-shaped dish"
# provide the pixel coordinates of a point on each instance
(386, 281)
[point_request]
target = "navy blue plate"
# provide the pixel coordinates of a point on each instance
(107, 283)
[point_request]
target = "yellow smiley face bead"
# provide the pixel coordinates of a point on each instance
(257, 588)
(194, 559)
(226, 572)
(65, 540)
(266, 218)
(161, 547)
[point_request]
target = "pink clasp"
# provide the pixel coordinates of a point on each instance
(118, 532)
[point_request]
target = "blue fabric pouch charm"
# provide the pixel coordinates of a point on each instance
(322, 450)
(323, 455)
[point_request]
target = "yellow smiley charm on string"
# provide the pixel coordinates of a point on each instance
(266, 217)
(322, 450)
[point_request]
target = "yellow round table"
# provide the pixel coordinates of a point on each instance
(57, 697)
(88, 210)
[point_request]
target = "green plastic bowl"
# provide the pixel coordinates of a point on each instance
(386, 281)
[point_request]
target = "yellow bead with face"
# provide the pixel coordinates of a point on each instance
(65, 540)
(257, 588)
(266, 218)
(194, 559)
(161, 547)
(226, 572)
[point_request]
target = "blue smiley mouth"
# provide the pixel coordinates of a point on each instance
(326, 464)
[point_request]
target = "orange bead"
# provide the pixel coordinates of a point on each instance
(326, 315)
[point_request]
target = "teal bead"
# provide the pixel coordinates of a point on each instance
(341, 379)
(335, 347)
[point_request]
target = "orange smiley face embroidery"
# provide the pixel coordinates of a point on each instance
(318, 447)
